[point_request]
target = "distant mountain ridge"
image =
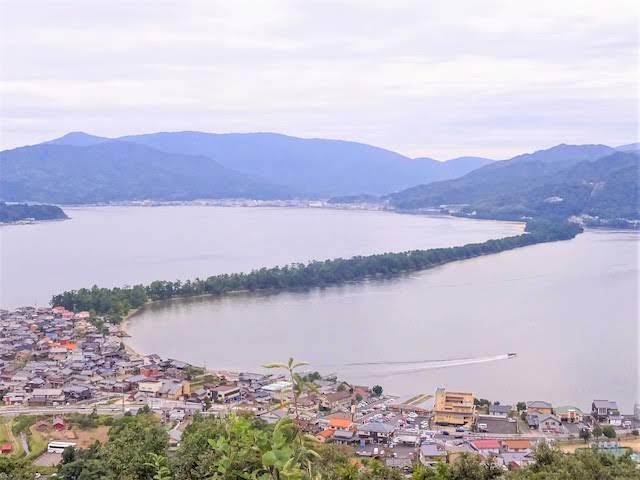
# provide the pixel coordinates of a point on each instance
(119, 171)
(83, 168)
(318, 167)
(564, 180)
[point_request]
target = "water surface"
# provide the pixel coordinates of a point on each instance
(116, 246)
(568, 309)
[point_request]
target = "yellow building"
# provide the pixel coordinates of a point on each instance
(453, 408)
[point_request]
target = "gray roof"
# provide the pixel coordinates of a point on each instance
(517, 457)
(538, 404)
(500, 409)
(605, 404)
(342, 435)
(377, 427)
(432, 450)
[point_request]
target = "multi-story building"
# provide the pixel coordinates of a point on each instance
(453, 408)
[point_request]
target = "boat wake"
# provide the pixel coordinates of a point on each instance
(383, 369)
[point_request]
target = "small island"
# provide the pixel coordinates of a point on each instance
(22, 212)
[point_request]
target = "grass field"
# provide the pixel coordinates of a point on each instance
(571, 447)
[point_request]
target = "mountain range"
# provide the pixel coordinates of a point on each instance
(594, 180)
(82, 168)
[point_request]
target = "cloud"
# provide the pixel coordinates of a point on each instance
(428, 78)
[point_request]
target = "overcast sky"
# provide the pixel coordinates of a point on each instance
(424, 78)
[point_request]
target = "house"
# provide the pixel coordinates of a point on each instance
(549, 423)
(486, 447)
(540, 406)
(516, 445)
(569, 414)
(45, 396)
(432, 453)
(41, 426)
(408, 439)
(278, 390)
(58, 424)
(324, 435)
(453, 408)
(226, 393)
(500, 410)
(454, 452)
(516, 460)
(149, 387)
(344, 437)
(605, 410)
(15, 398)
(376, 432)
(336, 400)
(77, 392)
(341, 424)
(174, 389)
(360, 393)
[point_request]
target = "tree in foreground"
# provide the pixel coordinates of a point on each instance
(298, 382)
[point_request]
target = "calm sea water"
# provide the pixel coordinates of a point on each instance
(568, 309)
(115, 246)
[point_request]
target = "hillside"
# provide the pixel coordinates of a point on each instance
(564, 180)
(315, 167)
(116, 171)
(20, 211)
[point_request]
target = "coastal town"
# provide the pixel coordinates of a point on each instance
(57, 366)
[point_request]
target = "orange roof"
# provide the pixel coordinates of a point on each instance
(69, 345)
(517, 443)
(326, 433)
(340, 423)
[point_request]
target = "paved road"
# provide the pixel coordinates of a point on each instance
(60, 410)
(25, 444)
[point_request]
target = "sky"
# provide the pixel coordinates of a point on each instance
(423, 78)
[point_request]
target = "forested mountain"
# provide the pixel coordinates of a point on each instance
(21, 211)
(564, 180)
(83, 168)
(314, 166)
(116, 171)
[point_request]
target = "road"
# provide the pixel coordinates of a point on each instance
(14, 411)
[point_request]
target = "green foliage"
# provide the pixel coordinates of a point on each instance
(22, 423)
(15, 468)
(242, 447)
(131, 441)
(299, 383)
(377, 390)
(609, 432)
(467, 467)
(128, 454)
(245, 447)
(586, 464)
(21, 211)
(521, 406)
(597, 431)
(117, 302)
